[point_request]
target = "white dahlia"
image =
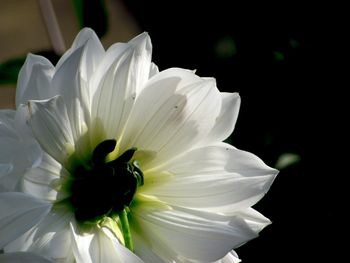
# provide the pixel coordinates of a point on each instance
(106, 159)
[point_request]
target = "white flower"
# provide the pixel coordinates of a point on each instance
(131, 160)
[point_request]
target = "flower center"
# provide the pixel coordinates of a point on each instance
(103, 188)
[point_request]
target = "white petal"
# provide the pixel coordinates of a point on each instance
(16, 157)
(231, 257)
(5, 169)
(73, 72)
(9, 150)
(106, 249)
(44, 181)
(34, 80)
(21, 123)
(216, 178)
(181, 235)
(51, 127)
(114, 98)
(173, 113)
(142, 60)
(154, 70)
(98, 247)
(18, 213)
(226, 121)
(144, 250)
(27, 257)
(118, 81)
(7, 123)
(22, 243)
(93, 53)
(67, 81)
(112, 55)
(52, 237)
(254, 219)
(80, 245)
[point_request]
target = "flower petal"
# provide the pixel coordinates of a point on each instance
(100, 247)
(51, 127)
(178, 235)
(34, 80)
(93, 52)
(231, 257)
(80, 245)
(16, 157)
(7, 123)
(8, 155)
(52, 237)
(44, 181)
(226, 121)
(19, 212)
(144, 250)
(5, 169)
(122, 73)
(153, 70)
(254, 219)
(105, 248)
(173, 113)
(20, 151)
(216, 178)
(142, 60)
(69, 85)
(27, 257)
(73, 73)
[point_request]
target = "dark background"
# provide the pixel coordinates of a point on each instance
(281, 58)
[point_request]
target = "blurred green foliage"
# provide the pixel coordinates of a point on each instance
(9, 70)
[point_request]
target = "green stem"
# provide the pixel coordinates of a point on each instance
(123, 217)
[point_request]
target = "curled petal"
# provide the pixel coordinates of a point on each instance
(34, 80)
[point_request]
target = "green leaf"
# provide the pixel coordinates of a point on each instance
(9, 70)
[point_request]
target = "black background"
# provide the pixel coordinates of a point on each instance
(289, 104)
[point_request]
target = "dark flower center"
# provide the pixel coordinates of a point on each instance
(105, 188)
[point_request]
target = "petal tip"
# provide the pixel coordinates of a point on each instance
(142, 40)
